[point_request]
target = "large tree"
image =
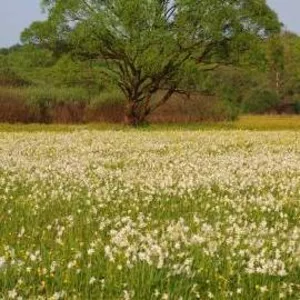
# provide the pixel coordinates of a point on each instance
(149, 45)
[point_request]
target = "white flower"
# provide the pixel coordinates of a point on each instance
(126, 295)
(263, 289)
(165, 296)
(58, 295)
(92, 280)
(91, 251)
(33, 257)
(2, 262)
(12, 294)
(71, 264)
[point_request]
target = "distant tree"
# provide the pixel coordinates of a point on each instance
(4, 51)
(48, 34)
(11, 49)
(279, 60)
(275, 62)
(150, 45)
(291, 75)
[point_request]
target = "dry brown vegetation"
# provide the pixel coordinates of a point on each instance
(14, 108)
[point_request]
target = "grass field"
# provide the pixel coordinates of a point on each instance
(169, 213)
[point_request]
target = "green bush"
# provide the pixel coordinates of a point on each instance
(260, 100)
(226, 111)
(230, 94)
(48, 96)
(296, 101)
(8, 77)
(113, 96)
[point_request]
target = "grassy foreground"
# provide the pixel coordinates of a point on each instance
(168, 214)
(268, 122)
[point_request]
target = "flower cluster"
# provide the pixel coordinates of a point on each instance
(150, 215)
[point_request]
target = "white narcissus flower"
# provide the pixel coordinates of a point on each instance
(92, 280)
(91, 251)
(12, 294)
(166, 202)
(2, 262)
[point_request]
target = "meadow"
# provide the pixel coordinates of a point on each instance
(150, 214)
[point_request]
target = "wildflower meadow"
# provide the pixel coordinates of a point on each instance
(150, 215)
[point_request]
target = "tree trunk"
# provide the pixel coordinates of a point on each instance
(133, 116)
(137, 111)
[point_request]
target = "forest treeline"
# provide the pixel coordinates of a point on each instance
(40, 83)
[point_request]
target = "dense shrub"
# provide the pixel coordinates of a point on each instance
(229, 111)
(13, 107)
(296, 102)
(260, 100)
(196, 108)
(9, 78)
(50, 96)
(62, 105)
(112, 97)
(107, 112)
(75, 105)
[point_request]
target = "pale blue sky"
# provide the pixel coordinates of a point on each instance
(15, 15)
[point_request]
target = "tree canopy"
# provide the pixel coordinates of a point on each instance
(150, 46)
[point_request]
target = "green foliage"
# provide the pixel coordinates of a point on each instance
(30, 57)
(126, 51)
(297, 107)
(296, 101)
(59, 95)
(49, 96)
(149, 45)
(291, 63)
(27, 63)
(69, 73)
(225, 111)
(8, 75)
(260, 100)
(47, 33)
(39, 67)
(232, 83)
(277, 60)
(112, 96)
